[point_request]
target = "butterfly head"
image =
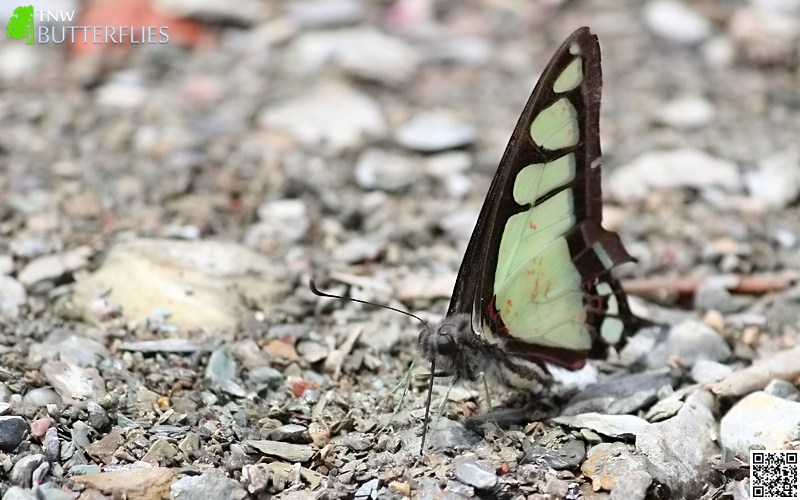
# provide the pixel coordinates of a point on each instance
(448, 345)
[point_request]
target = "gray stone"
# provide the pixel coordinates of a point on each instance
(286, 451)
(705, 371)
(632, 486)
(290, 432)
(50, 491)
(266, 375)
(256, 478)
(160, 452)
(76, 385)
(608, 425)
(222, 371)
(212, 483)
(619, 395)
(783, 389)
(22, 472)
(166, 345)
(51, 267)
(360, 248)
(559, 450)
(680, 449)
(41, 396)
(12, 432)
(312, 352)
(17, 493)
(368, 490)
(470, 472)
(687, 342)
(71, 347)
(87, 469)
(606, 463)
(241, 12)
(51, 447)
(325, 13)
(451, 436)
(98, 417)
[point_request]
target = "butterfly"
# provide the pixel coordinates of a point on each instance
(535, 286)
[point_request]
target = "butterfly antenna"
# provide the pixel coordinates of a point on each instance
(318, 293)
(428, 405)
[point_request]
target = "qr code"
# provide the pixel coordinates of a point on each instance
(773, 474)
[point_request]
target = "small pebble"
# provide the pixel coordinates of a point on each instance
(469, 472)
(40, 426)
(98, 417)
(12, 432)
(676, 22)
(22, 472)
(430, 132)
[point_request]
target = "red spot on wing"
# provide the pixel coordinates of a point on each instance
(547, 288)
(532, 226)
(535, 290)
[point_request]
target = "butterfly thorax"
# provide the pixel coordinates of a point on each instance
(464, 354)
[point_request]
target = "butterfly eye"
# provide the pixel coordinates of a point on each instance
(445, 345)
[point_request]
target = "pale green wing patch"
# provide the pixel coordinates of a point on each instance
(556, 127)
(612, 327)
(526, 234)
(539, 178)
(542, 302)
(570, 78)
(602, 254)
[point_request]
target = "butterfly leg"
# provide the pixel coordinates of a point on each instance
(405, 382)
(489, 400)
(440, 412)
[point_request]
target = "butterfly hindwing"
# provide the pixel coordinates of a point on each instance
(537, 268)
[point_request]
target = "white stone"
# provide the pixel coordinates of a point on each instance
(246, 12)
(765, 37)
(333, 116)
(763, 419)
(363, 52)
(379, 169)
(776, 181)
(12, 297)
(54, 266)
(430, 132)
(677, 22)
(669, 169)
(288, 218)
(686, 112)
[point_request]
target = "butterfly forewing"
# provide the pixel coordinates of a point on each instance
(537, 268)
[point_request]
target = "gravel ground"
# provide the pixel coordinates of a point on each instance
(162, 208)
